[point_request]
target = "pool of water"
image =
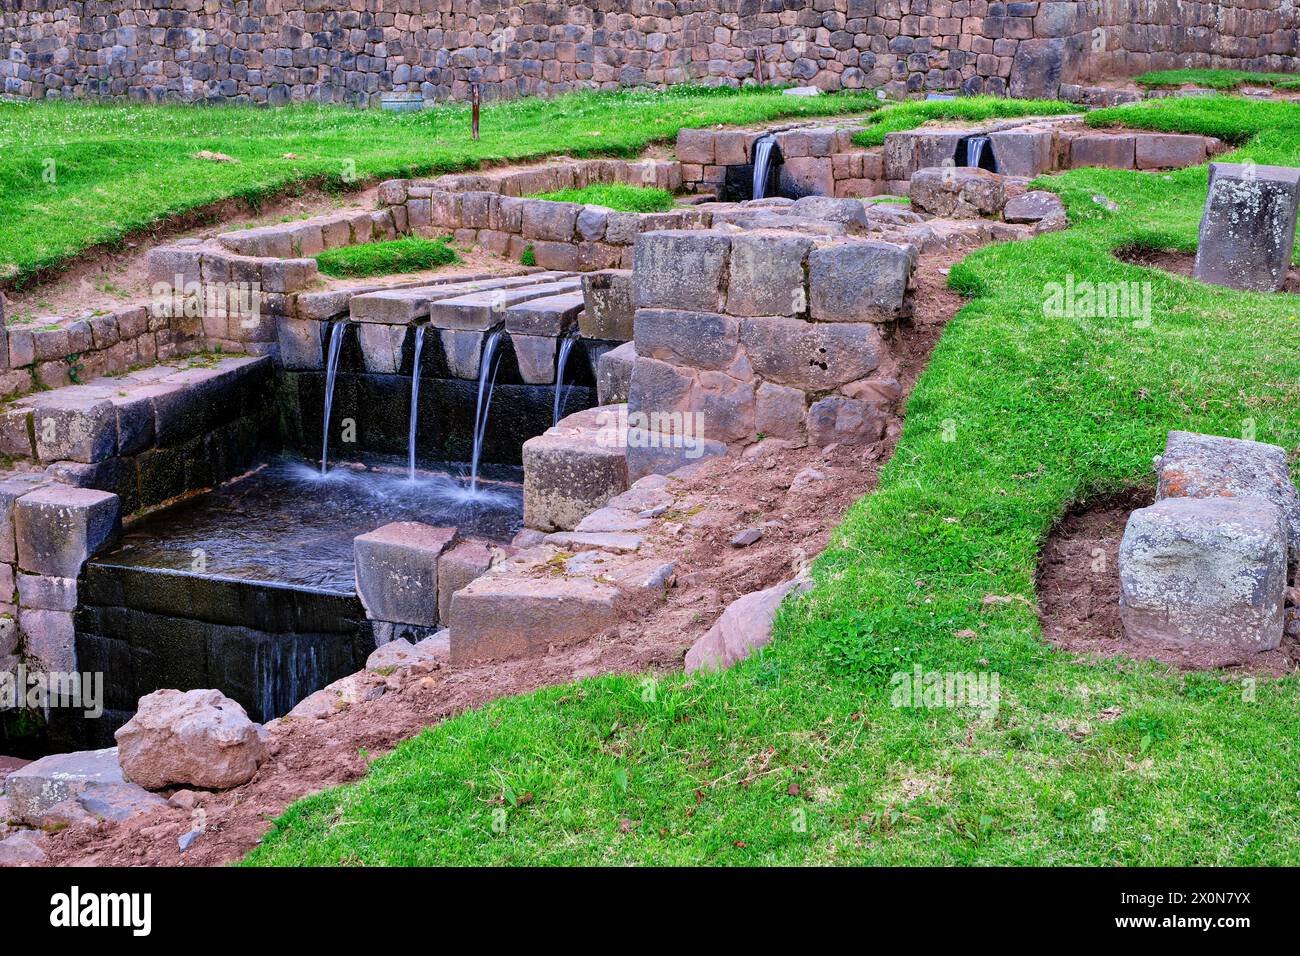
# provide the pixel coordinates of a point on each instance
(285, 523)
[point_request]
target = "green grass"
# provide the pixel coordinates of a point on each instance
(617, 196)
(973, 109)
(796, 755)
(411, 254)
(74, 175)
(1217, 79)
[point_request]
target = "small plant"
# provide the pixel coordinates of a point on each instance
(529, 257)
(75, 368)
(618, 196)
(411, 254)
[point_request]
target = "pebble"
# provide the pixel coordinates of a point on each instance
(747, 537)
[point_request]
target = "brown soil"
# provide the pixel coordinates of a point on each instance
(309, 756)
(1181, 263)
(1078, 592)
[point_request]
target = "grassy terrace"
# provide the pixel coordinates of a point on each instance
(74, 175)
(797, 756)
(1218, 79)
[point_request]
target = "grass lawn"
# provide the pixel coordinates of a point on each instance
(619, 196)
(73, 175)
(1218, 79)
(797, 756)
(973, 109)
(411, 254)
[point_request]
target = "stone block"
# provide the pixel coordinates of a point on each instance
(74, 425)
(463, 351)
(846, 421)
(958, 192)
(702, 340)
(51, 639)
(1205, 577)
(860, 281)
(535, 355)
(906, 152)
(57, 528)
(779, 411)
(1168, 151)
(614, 374)
(696, 146)
(813, 356)
(1210, 466)
(608, 309)
(1247, 230)
(300, 343)
(1103, 149)
(1037, 68)
(767, 274)
(1022, 152)
(549, 221)
(457, 568)
(547, 316)
(572, 470)
(397, 571)
(681, 269)
(1033, 207)
(808, 176)
(41, 592)
(381, 347)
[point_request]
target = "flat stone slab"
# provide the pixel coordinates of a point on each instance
(479, 311)
(548, 315)
(1248, 228)
(572, 470)
(404, 305)
(397, 571)
(1205, 577)
(39, 793)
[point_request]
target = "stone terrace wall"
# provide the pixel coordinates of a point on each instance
(278, 51)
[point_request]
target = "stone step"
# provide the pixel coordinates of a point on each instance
(573, 468)
(480, 310)
(407, 304)
(549, 315)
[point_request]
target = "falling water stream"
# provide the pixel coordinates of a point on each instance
(415, 401)
(566, 346)
(975, 147)
(762, 164)
(487, 376)
(331, 372)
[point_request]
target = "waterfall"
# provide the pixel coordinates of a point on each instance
(975, 147)
(487, 376)
(415, 400)
(762, 164)
(566, 346)
(331, 372)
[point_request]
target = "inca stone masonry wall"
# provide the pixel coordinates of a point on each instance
(354, 51)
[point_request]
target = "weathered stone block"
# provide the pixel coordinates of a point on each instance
(58, 527)
(1210, 466)
(808, 176)
(550, 221)
(1205, 577)
(614, 374)
(397, 571)
(1168, 151)
(535, 355)
(809, 355)
(573, 469)
(958, 192)
(73, 425)
(300, 343)
(381, 347)
(861, 281)
(608, 313)
(37, 787)
(1032, 207)
(846, 421)
(681, 269)
(457, 568)
(1248, 228)
(41, 592)
(702, 340)
(51, 639)
(696, 146)
(1020, 152)
(767, 274)
(1104, 150)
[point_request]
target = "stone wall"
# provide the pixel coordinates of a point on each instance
(279, 51)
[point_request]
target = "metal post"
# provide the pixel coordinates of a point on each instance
(759, 72)
(475, 97)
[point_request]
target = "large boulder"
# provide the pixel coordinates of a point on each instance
(1205, 578)
(197, 738)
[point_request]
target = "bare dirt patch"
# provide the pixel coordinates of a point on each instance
(1078, 592)
(1182, 263)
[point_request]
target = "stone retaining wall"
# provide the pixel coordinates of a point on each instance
(281, 51)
